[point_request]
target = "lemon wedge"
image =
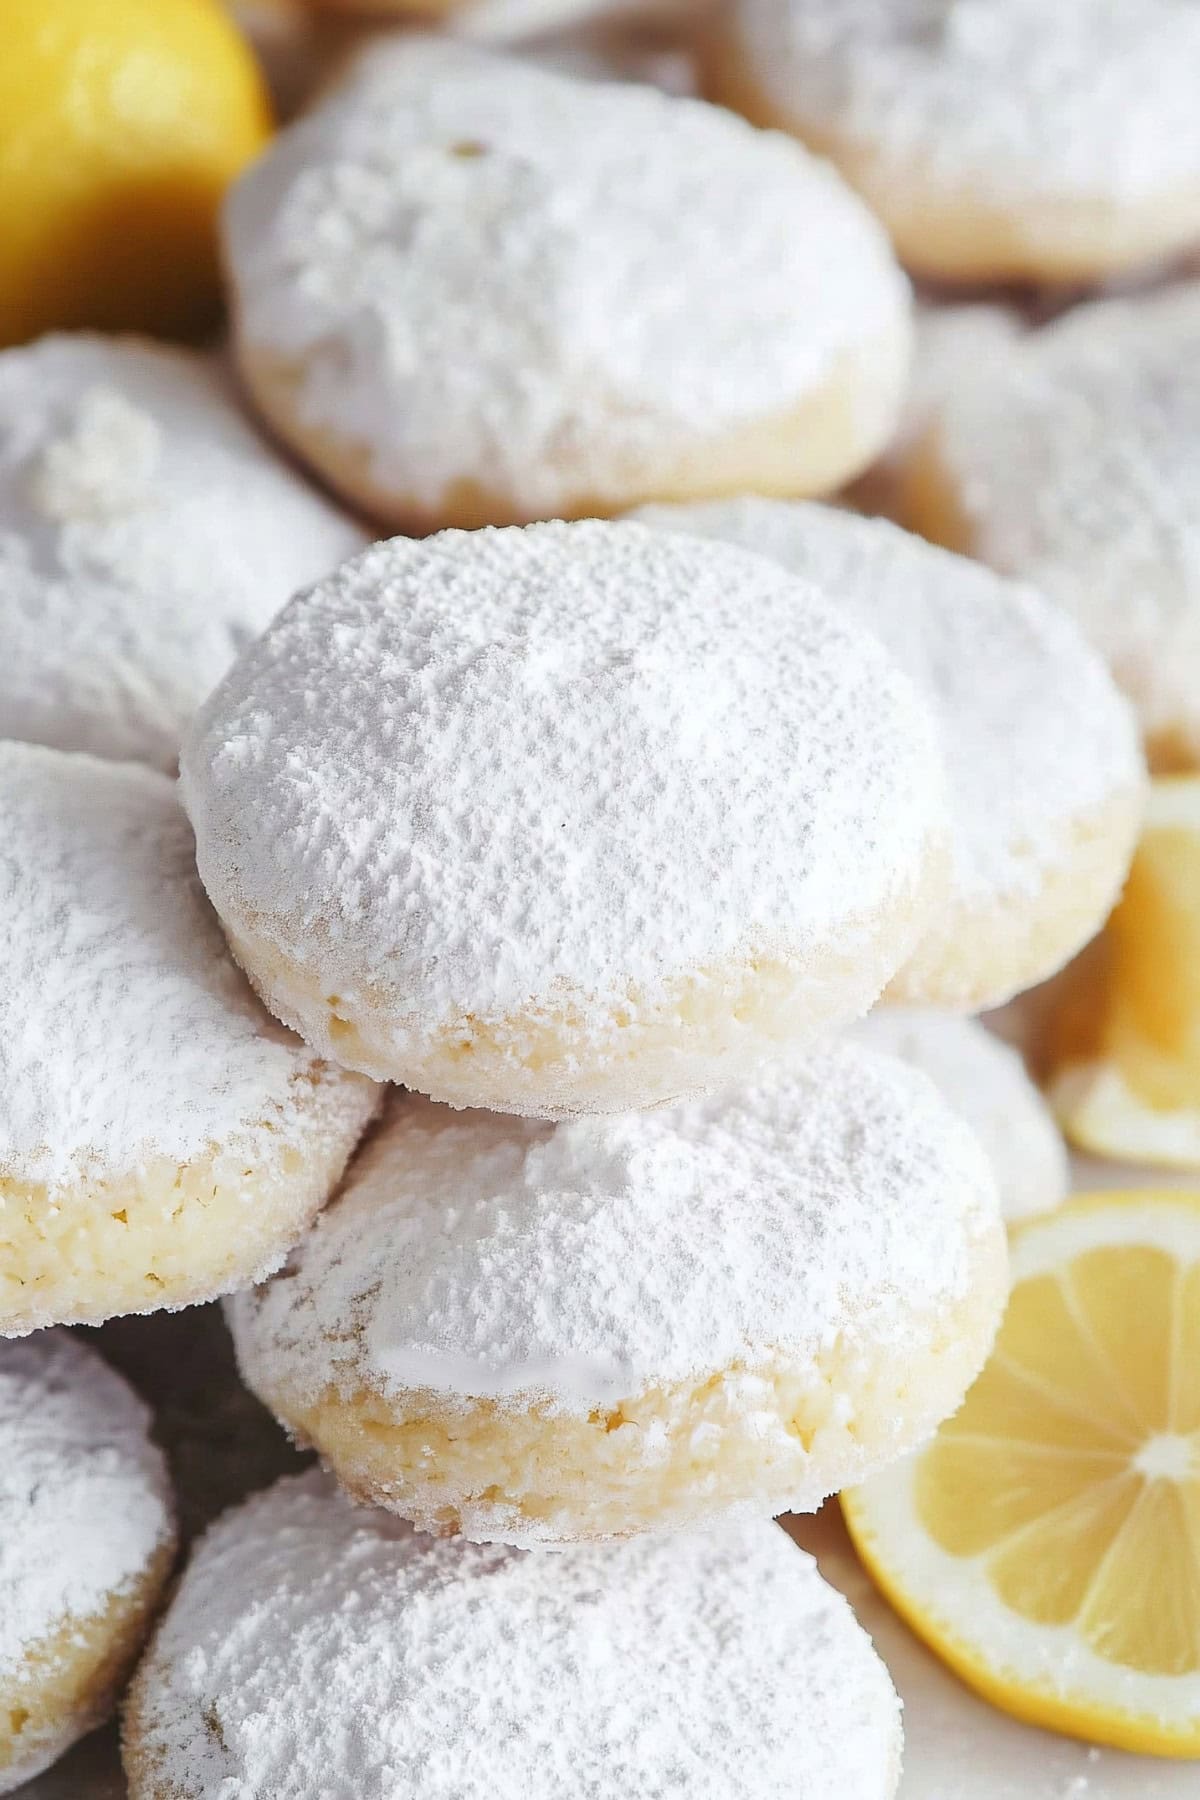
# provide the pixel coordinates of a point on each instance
(1127, 1056)
(1046, 1545)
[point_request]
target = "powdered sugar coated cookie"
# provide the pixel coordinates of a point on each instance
(316, 1647)
(473, 290)
(565, 818)
(544, 1334)
(86, 1541)
(146, 534)
(1074, 461)
(161, 1138)
(996, 139)
(1046, 779)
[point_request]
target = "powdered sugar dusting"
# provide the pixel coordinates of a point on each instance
(1036, 738)
(84, 1498)
(500, 770)
(582, 1263)
(483, 271)
(1078, 99)
(146, 534)
(1076, 460)
(318, 1648)
(103, 465)
(986, 1084)
(126, 1032)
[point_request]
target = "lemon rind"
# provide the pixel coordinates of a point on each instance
(1100, 1112)
(988, 1646)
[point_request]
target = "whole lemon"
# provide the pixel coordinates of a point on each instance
(121, 124)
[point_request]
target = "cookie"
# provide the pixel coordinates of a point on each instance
(147, 533)
(87, 1538)
(162, 1139)
(565, 818)
(1005, 140)
(1047, 784)
(472, 290)
(552, 1334)
(1073, 461)
(314, 1647)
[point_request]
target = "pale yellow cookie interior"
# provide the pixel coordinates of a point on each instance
(831, 436)
(963, 236)
(980, 956)
(776, 1435)
(169, 1235)
(554, 1063)
(70, 1680)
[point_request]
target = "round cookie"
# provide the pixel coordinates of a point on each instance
(86, 1543)
(546, 1334)
(1074, 461)
(468, 290)
(314, 1647)
(161, 1138)
(146, 534)
(616, 816)
(986, 1083)
(1046, 779)
(998, 140)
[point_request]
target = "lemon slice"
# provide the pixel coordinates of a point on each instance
(1046, 1545)
(1127, 1081)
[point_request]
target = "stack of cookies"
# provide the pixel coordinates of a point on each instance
(483, 1012)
